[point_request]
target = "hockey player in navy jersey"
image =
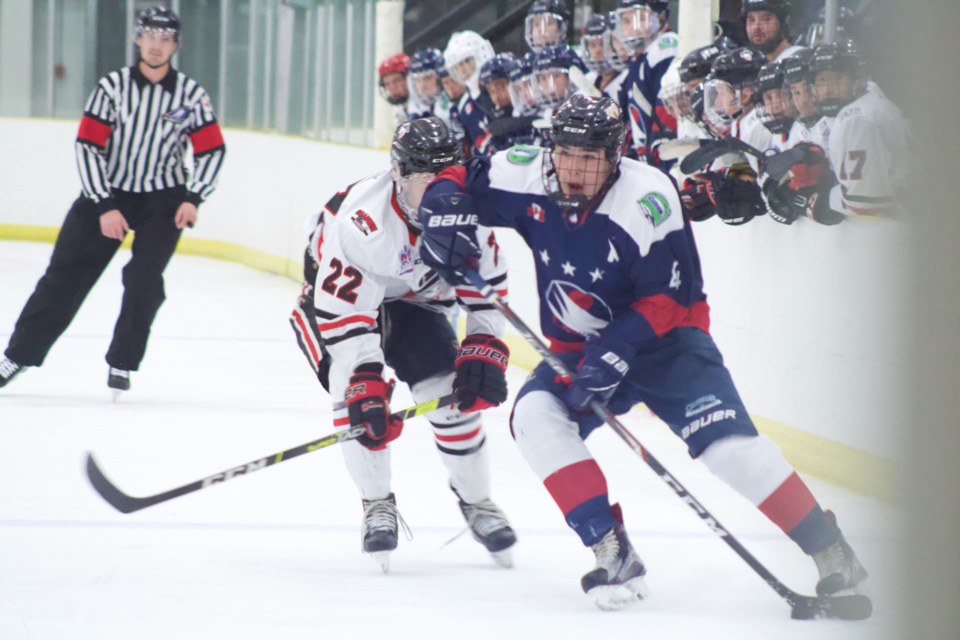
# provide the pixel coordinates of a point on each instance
(375, 305)
(622, 303)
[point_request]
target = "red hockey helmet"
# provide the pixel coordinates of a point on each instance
(399, 63)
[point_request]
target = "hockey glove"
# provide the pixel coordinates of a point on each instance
(805, 191)
(696, 199)
(481, 380)
(601, 371)
(449, 235)
(737, 195)
(368, 404)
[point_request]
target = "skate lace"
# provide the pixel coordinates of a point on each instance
(483, 518)
(8, 367)
(383, 514)
(607, 550)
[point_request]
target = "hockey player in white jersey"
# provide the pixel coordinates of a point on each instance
(377, 305)
(868, 145)
(811, 125)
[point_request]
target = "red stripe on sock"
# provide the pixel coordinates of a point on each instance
(789, 504)
(458, 438)
(575, 484)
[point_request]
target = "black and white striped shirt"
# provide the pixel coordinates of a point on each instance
(133, 137)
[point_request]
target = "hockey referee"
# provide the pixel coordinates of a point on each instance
(130, 152)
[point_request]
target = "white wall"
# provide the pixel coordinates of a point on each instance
(807, 316)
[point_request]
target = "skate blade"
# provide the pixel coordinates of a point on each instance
(503, 558)
(617, 596)
(383, 559)
(115, 394)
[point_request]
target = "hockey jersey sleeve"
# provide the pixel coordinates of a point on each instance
(96, 125)
(483, 317)
(208, 149)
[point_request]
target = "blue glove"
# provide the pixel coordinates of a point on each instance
(450, 243)
(600, 372)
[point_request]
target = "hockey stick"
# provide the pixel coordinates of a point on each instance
(852, 607)
(128, 504)
(775, 166)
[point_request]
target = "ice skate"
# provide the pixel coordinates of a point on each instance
(119, 381)
(617, 579)
(379, 532)
(840, 570)
(9, 370)
(490, 528)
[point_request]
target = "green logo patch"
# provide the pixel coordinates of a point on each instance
(655, 207)
(668, 42)
(522, 154)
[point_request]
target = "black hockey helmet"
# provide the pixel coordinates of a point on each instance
(589, 122)
(739, 67)
(775, 110)
(657, 6)
(781, 8)
(424, 145)
(840, 57)
(770, 77)
(796, 68)
(160, 18)
(696, 65)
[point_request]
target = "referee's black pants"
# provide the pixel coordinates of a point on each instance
(80, 255)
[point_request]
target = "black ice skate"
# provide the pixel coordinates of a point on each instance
(379, 531)
(840, 571)
(490, 528)
(9, 370)
(118, 380)
(617, 579)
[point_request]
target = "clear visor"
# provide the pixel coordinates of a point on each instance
(554, 86)
(544, 30)
(525, 95)
(593, 49)
(463, 70)
(805, 101)
(410, 190)
(721, 104)
(637, 26)
(616, 52)
(676, 99)
(425, 86)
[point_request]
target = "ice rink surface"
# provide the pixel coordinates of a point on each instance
(277, 554)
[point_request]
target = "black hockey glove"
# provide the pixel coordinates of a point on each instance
(368, 404)
(600, 372)
(696, 198)
(738, 196)
(449, 235)
(481, 380)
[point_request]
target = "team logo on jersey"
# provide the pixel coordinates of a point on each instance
(406, 260)
(655, 207)
(577, 311)
(536, 212)
(522, 154)
(364, 222)
(702, 404)
(179, 114)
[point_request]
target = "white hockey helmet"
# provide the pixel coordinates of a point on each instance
(465, 54)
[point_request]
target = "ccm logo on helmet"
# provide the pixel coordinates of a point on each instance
(453, 220)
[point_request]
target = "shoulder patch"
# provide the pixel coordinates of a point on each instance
(523, 154)
(655, 207)
(364, 222)
(669, 42)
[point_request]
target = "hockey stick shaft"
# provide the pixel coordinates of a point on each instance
(805, 604)
(128, 504)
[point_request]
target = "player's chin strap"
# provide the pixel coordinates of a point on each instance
(127, 504)
(851, 607)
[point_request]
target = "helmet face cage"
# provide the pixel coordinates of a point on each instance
(594, 49)
(160, 21)
(836, 89)
(676, 99)
(637, 26)
(776, 109)
(544, 29)
(425, 86)
(554, 86)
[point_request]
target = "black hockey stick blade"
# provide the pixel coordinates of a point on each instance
(849, 607)
(854, 607)
(128, 504)
(699, 159)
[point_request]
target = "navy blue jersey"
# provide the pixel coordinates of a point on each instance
(647, 118)
(628, 270)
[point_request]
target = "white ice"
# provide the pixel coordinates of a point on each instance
(277, 554)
